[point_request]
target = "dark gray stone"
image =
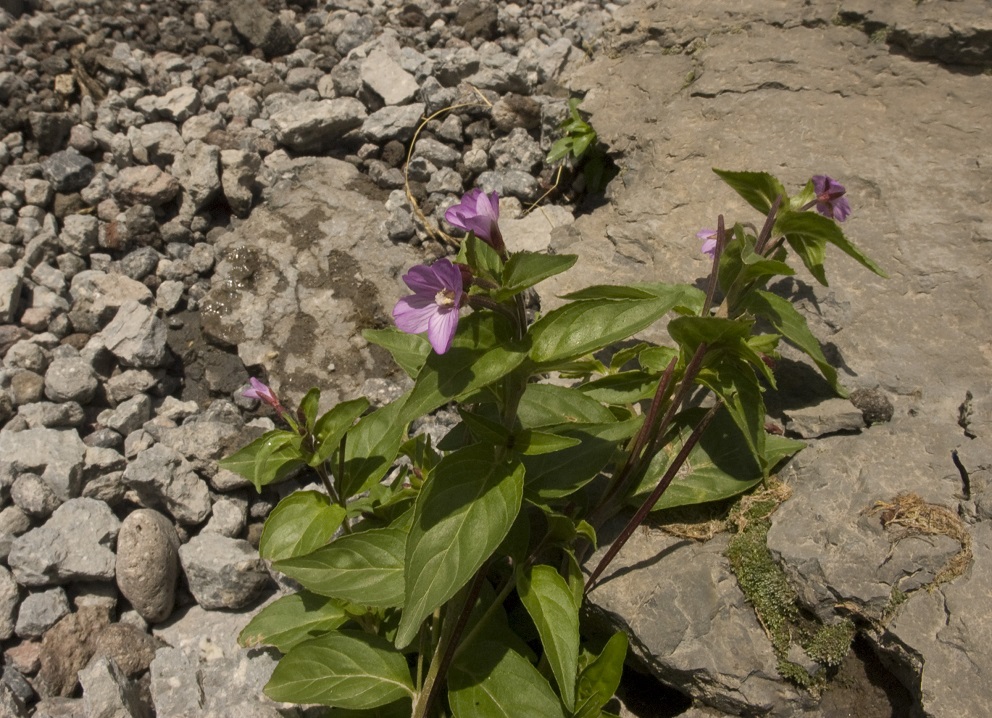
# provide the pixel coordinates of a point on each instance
(136, 336)
(71, 379)
(75, 544)
(478, 19)
(107, 692)
(40, 611)
(313, 126)
(162, 478)
(50, 130)
(827, 417)
(261, 29)
(222, 572)
(68, 171)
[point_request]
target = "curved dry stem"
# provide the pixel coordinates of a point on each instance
(434, 232)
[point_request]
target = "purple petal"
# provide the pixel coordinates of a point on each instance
(256, 390)
(482, 226)
(441, 329)
(423, 280)
(449, 276)
(709, 247)
(413, 314)
(842, 209)
(477, 212)
(487, 205)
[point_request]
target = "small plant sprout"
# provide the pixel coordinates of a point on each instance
(446, 578)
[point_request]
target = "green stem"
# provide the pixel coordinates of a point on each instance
(497, 603)
(450, 633)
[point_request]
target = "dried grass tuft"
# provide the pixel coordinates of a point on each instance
(909, 515)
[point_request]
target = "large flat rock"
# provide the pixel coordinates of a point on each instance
(302, 277)
(837, 90)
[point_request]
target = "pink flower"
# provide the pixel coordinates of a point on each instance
(433, 306)
(260, 391)
(709, 241)
(830, 199)
(478, 212)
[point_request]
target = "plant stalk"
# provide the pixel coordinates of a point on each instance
(638, 518)
(766, 230)
(447, 645)
(721, 242)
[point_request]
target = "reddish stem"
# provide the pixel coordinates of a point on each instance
(638, 518)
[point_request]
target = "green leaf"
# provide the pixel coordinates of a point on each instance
(720, 466)
(533, 443)
(778, 448)
(333, 425)
(810, 226)
(559, 150)
(734, 381)
(552, 607)
(268, 459)
(586, 326)
(349, 669)
(807, 195)
(581, 143)
(623, 356)
(372, 445)
(657, 359)
(302, 522)
(575, 578)
(813, 252)
(601, 678)
(399, 709)
(496, 626)
(759, 189)
(742, 267)
(623, 388)
(409, 350)
(525, 269)
(544, 405)
(308, 407)
(786, 320)
(365, 568)
(485, 429)
(491, 681)
(481, 258)
(292, 619)
(609, 291)
(716, 332)
(551, 476)
(464, 511)
(483, 351)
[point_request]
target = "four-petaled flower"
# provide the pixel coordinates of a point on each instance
(478, 212)
(709, 241)
(433, 306)
(260, 391)
(830, 199)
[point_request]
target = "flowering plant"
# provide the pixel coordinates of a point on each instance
(411, 556)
